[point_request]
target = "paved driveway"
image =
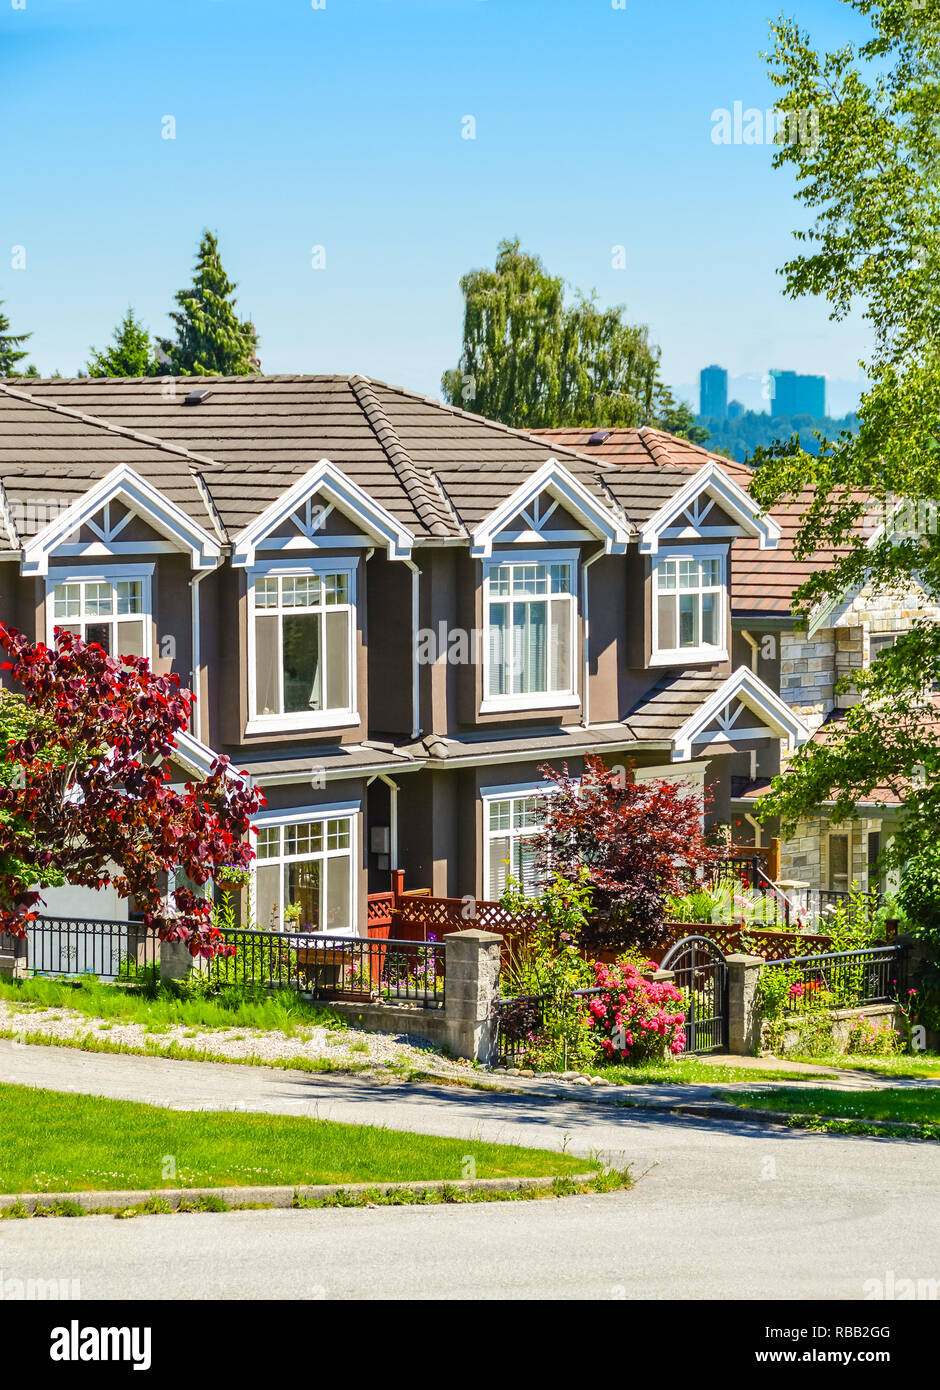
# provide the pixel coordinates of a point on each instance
(721, 1210)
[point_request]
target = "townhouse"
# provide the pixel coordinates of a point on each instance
(393, 612)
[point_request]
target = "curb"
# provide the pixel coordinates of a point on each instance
(272, 1196)
(719, 1111)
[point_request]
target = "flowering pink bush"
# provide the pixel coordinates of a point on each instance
(642, 1020)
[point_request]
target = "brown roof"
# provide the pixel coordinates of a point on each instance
(672, 700)
(763, 581)
(632, 448)
(437, 469)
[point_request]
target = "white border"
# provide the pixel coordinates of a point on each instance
(554, 478)
(723, 490)
(683, 656)
(557, 699)
(335, 810)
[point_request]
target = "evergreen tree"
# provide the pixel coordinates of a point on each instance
(210, 338)
(529, 359)
(10, 354)
(131, 353)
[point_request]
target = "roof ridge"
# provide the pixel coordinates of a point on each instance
(425, 504)
(179, 450)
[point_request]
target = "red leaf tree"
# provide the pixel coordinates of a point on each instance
(639, 841)
(91, 799)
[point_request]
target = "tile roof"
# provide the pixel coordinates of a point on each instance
(675, 697)
(763, 581)
(632, 448)
(437, 469)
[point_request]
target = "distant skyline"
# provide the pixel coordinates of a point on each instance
(342, 128)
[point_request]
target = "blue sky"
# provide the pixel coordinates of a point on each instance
(341, 127)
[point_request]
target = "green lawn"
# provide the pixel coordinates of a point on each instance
(922, 1065)
(161, 1007)
(914, 1106)
(56, 1142)
(691, 1069)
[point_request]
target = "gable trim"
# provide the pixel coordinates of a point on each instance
(342, 493)
(752, 693)
(600, 521)
(723, 490)
(142, 498)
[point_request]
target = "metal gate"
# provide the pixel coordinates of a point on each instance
(701, 973)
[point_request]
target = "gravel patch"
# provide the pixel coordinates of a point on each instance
(351, 1048)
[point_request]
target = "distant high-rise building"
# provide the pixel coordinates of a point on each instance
(713, 392)
(735, 410)
(795, 394)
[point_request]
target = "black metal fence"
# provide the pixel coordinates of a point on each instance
(844, 979)
(86, 946)
(327, 967)
(336, 967)
(520, 1019)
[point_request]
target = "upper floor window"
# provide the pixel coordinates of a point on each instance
(529, 616)
(689, 606)
(301, 646)
(113, 612)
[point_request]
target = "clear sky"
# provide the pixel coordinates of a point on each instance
(341, 127)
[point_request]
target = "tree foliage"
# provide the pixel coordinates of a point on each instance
(130, 354)
(871, 177)
(12, 352)
(86, 794)
(211, 340)
(530, 359)
(634, 843)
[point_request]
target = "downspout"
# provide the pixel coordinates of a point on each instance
(415, 669)
(586, 630)
(197, 655)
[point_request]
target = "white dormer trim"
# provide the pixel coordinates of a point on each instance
(751, 691)
(600, 522)
(341, 493)
(145, 501)
(722, 489)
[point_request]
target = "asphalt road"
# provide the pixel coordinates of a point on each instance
(721, 1210)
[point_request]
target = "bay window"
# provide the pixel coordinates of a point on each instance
(689, 606)
(529, 617)
(109, 610)
(303, 875)
(302, 631)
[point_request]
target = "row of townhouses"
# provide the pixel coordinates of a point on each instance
(394, 613)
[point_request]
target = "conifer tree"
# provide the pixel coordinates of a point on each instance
(210, 340)
(131, 353)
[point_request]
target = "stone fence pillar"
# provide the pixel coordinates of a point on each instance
(744, 1021)
(471, 988)
(176, 963)
(13, 956)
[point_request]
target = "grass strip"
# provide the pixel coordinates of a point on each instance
(892, 1104)
(58, 1142)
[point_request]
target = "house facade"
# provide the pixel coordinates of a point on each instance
(393, 613)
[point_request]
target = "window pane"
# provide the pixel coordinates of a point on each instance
(499, 657)
(300, 591)
(688, 620)
(561, 579)
(100, 633)
(335, 588)
(306, 837)
(499, 815)
(266, 593)
(301, 666)
(528, 812)
(67, 600)
(688, 574)
(99, 600)
(302, 885)
(269, 841)
(499, 581)
(667, 622)
(130, 639)
(337, 834)
(130, 596)
(337, 660)
(266, 665)
(666, 575)
(525, 859)
(839, 863)
(530, 579)
(498, 867)
(710, 619)
(267, 895)
(530, 653)
(711, 572)
(337, 893)
(561, 645)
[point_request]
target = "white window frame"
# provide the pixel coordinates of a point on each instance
(551, 699)
(344, 810)
(302, 719)
(681, 656)
(107, 574)
(519, 791)
(845, 835)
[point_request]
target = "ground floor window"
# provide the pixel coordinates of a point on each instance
(838, 863)
(513, 825)
(303, 875)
